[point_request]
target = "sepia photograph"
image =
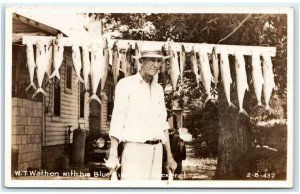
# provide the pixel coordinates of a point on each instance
(109, 97)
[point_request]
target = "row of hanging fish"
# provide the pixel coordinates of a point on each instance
(262, 80)
(52, 55)
(98, 65)
(46, 56)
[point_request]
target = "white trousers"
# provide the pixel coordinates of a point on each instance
(141, 161)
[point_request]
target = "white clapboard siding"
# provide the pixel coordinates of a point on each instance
(56, 126)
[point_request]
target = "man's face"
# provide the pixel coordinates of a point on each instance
(151, 65)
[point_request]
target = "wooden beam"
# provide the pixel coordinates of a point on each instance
(231, 49)
(123, 44)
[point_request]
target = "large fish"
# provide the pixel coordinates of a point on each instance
(137, 52)
(30, 65)
(226, 76)
(257, 77)
(241, 79)
(115, 62)
(174, 66)
(269, 83)
(164, 69)
(41, 68)
(86, 66)
(206, 74)
(215, 63)
(97, 60)
(58, 56)
(127, 67)
(114, 176)
(49, 58)
(124, 63)
(105, 69)
(76, 57)
(182, 61)
(195, 66)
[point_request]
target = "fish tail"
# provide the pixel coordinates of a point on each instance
(55, 73)
(94, 97)
(79, 78)
(31, 84)
(49, 80)
(232, 105)
(38, 91)
(242, 111)
(104, 95)
(268, 109)
(207, 99)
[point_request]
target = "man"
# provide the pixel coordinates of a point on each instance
(139, 120)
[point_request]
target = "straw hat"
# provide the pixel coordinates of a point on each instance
(151, 54)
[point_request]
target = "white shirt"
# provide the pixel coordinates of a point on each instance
(139, 112)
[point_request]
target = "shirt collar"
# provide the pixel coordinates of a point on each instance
(140, 79)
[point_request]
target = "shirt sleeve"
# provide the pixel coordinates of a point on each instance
(119, 111)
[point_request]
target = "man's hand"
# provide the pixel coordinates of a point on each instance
(171, 164)
(112, 163)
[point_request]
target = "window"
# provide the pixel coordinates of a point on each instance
(69, 76)
(56, 96)
(110, 101)
(81, 96)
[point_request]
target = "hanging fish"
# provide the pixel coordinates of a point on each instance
(269, 83)
(137, 56)
(174, 66)
(113, 166)
(115, 62)
(58, 56)
(164, 69)
(49, 58)
(76, 57)
(86, 66)
(206, 75)
(241, 79)
(30, 65)
(123, 63)
(215, 63)
(257, 77)
(182, 61)
(127, 64)
(105, 69)
(195, 67)
(41, 64)
(226, 76)
(114, 176)
(170, 176)
(97, 60)
(110, 62)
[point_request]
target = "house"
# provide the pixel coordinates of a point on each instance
(42, 127)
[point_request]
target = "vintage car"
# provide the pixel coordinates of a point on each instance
(96, 150)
